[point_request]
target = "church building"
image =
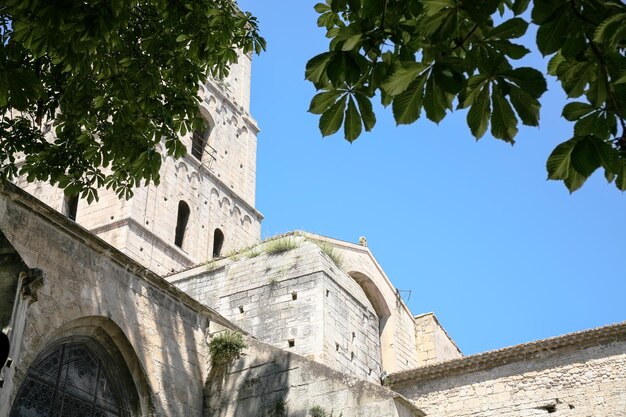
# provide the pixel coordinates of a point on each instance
(124, 308)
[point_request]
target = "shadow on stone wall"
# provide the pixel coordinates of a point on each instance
(85, 278)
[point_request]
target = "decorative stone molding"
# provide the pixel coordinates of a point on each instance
(32, 280)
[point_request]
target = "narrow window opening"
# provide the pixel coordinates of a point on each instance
(294, 296)
(327, 293)
(199, 139)
(218, 240)
(336, 346)
(351, 356)
(181, 223)
(353, 336)
(291, 342)
(70, 206)
(550, 408)
(241, 309)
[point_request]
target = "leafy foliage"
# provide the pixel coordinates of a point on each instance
(112, 79)
(428, 56)
(226, 347)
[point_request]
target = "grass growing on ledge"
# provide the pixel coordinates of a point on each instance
(281, 245)
(331, 252)
(226, 347)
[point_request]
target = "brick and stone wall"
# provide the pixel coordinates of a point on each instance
(578, 375)
(298, 300)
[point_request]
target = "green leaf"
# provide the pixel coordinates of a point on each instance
(316, 67)
(620, 181)
(520, 6)
(575, 76)
(352, 125)
(322, 101)
(367, 113)
(402, 75)
(574, 181)
(503, 121)
(554, 63)
(182, 38)
(407, 106)
(435, 100)
(512, 28)
(528, 79)
(605, 30)
(585, 156)
(321, 8)
(510, 49)
(526, 106)
(575, 110)
(480, 10)
(352, 42)
(552, 35)
(331, 120)
(478, 115)
(559, 161)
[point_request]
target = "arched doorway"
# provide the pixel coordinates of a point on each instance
(73, 377)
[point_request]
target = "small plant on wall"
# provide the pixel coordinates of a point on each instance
(317, 411)
(226, 347)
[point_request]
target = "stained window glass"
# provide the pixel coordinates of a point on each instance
(68, 382)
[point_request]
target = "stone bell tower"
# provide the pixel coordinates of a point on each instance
(204, 206)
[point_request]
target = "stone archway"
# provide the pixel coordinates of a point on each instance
(88, 369)
(376, 298)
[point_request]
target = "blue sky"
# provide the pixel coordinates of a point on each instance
(472, 229)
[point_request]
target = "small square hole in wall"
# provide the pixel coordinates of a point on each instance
(353, 336)
(351, 356)
(294, 296)
(291, 342)
(327, 293)
(241, 309)
(369, 372)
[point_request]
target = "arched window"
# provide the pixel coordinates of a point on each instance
(181, 223)
(199, 139)
(70, 206)
(218, 240)
(73, 379)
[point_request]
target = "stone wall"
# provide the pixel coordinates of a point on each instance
(577, 375)
(433, 343)
(397, 328)
(298, 300)
(268, 382)
(156, 332)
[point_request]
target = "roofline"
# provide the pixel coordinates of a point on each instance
(355, 247)
(492, 359)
